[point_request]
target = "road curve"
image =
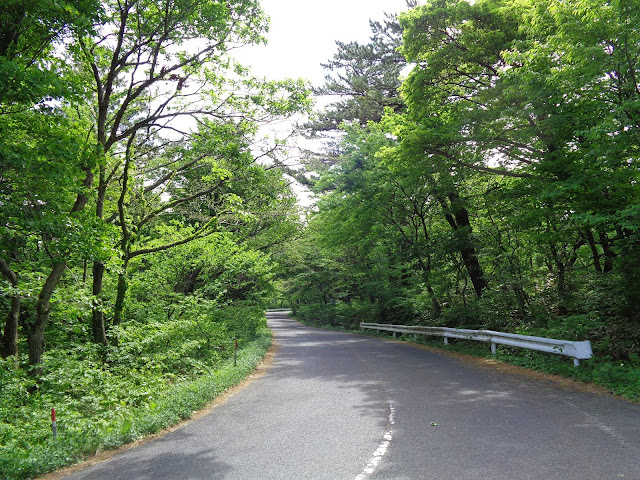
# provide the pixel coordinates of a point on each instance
(339, 406)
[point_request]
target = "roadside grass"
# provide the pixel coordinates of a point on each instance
(619, 378)
(33, 451)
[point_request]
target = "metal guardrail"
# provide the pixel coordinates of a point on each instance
(577, 350)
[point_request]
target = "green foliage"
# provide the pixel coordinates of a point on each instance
(502, 194)
(131, 259)
(343, 315)
(170, 357)
(28, 34)
(197, 335)
(100, 407)
(366, 77)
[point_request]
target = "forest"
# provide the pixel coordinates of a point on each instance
(478, 168)
(140, 210)
(482, 172)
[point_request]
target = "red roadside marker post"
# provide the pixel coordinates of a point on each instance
(53, 423)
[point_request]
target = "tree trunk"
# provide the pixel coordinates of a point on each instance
(36, 333)
(609, 254)
(426, 271)
(10, 337)
(9, 340)
(468, 252)
(594, 251)
(459, 222)
(120, 295)
(125, 241)
(97, 324)
(188, 285)
(470, 259)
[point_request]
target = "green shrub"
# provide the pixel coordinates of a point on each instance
(106, 397)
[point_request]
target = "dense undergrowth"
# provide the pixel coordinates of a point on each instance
(107, 396)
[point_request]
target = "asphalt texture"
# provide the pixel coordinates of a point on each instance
(339, 406)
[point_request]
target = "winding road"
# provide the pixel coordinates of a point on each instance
(340, 406)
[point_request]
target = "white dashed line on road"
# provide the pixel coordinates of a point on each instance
(382, 448)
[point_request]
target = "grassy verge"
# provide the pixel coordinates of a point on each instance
(620, 378)
(79, 437)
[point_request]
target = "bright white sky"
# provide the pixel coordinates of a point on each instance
(303, 34)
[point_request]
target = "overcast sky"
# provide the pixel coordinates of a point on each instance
(303, 34)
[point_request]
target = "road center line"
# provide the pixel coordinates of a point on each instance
(375, 460)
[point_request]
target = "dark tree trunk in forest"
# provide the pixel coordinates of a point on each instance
(121, 293)
(594, 251)
(609, 254)
(188, 285)
(9, 344)
(97, 317)
(37, 328)
(458, 219)
(118, 307)
(426, 270)
(9, 339)
(125, 241)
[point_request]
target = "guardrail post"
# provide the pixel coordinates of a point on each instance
(576, 362)
(493, 348)
(446, 340)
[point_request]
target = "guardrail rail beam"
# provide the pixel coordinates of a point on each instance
(578, 350)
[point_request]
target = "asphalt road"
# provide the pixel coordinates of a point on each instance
(338, 406)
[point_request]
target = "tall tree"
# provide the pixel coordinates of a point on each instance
(212, 182)
(148, 70)
(365, 78)
(152, 63)
(588, 54)
(42, 151)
